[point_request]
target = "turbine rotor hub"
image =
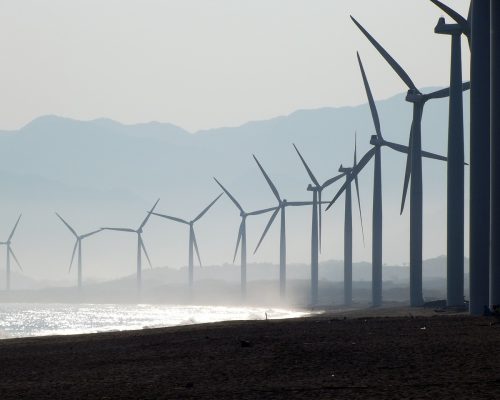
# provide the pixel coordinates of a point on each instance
(414, 96)
(375, 140)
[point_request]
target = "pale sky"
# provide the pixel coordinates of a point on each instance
(208, 63)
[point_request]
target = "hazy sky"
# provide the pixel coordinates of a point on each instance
(207, 63)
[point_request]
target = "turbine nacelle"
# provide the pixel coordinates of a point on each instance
(448, 29)
(376, 141)
(414, 96)
(344, 170)
(311, 188)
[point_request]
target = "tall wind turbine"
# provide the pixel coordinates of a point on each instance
(77, 246)
(140, 244)
(348, 171)
(10, 253)
(455, 188)
(377, 141)
(316, 188)
(241, 242)
(413, 168)
(192, 237)
(281, 207)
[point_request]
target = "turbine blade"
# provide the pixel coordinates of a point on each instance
(207, 208)
(332, 180)
(182, 221)
(119, 229)
(90, 233)
(73, 255)
(238, 241)
(309, 172)
(299, 203)
(439, 94)
(371, 102)
(270, 222)
(359, 206)
(196, 248)
(392, 62)
(407, 171)
(269, 182)
(264, 211)
(404, 149)
(354, 172)
(145, 251)
(147, 216)
(453, 14)
(229, 195)
(67, 225)
(15, 258)
(14, 229)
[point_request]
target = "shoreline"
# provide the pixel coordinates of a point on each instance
(375, 353)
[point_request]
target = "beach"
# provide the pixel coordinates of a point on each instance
(393, 353)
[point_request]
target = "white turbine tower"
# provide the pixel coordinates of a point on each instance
(77, 246)
(10, 253)
(193, 245)
(140, 244)
(241, 241)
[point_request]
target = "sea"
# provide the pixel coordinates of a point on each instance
(42, 319)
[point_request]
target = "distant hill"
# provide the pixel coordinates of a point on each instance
(101, 172)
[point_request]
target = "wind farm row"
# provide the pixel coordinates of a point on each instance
(348, 175)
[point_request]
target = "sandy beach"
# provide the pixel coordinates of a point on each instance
(388, 353)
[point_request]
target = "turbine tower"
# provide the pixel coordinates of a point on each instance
(455, 187)
(348, 226)
(377, 141)
(140, 244)
(241, 241)
(192, 237)
(316, 225)
(77, 246)
(10, 253)
(413, 168)
(281, 207)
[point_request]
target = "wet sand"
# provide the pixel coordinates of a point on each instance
(389, 354)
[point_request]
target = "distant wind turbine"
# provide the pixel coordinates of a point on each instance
(241, 242)
(413, 167)
(348, 225)
(78, 245)
(282, 205)
(316, 226)
(192, 237)
(10, 253)
(377, 141)
(140, 244)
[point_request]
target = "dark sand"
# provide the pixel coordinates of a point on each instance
(431, 356)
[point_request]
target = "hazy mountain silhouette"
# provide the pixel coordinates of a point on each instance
(101, 172)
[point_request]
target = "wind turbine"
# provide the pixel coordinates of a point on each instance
(316, 188)
(78, 245)
(348, 171)
(192, 236)
(281, 207)
(455, 187)
(413, 168)
(10, 253)
(241, 242)
(377, 141)
(140, 244)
